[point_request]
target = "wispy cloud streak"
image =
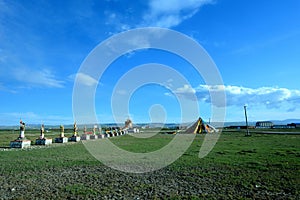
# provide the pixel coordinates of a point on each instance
(168, 13)
(37, 78)
(84, 79)
(164, 14)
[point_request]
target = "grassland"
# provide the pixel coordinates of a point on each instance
(262, 166)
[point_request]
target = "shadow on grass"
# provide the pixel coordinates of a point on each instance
(4, 147)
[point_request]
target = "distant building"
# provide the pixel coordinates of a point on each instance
(264, 124)
(239, 127)
(283, 126)
(296, 125)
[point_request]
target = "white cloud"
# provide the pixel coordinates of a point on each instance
(84, 79)
(37, 78)
(115, 19)
(168, 94)
(185, 91)
(165, 14)
(169, 83)
(170, 13)
(6, 89)
(139, 40)
(269, 97)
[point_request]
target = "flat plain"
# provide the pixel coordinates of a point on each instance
(263, 166)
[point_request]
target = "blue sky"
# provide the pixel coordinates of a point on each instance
(254, 43)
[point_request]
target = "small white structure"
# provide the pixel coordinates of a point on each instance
(133, 130)
(74, 139)
(94, 137)
(100, 136)
(61, 140)
(20, 144)
(85, 137)
(45, 141)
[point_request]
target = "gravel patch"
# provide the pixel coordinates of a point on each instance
(101, 182)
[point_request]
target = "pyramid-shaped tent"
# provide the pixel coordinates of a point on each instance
(201, 127)
(197, 127)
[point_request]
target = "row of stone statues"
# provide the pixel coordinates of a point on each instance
(128, 125)
(22, 142)
(42, 130)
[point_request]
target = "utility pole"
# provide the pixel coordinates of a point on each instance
(247, 133)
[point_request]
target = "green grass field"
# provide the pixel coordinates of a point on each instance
(262, 166)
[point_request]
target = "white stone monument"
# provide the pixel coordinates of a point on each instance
(42, 140)
(94, 136)
(100, 134)
(74, 137)
(86, 135)
(21, 141)
(61, 138)
(107, 133)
